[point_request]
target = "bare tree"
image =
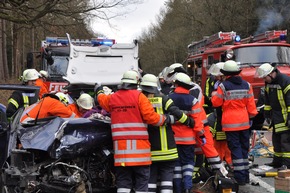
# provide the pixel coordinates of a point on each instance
(48, 18)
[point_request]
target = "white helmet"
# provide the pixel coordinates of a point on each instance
(43, 73)
(30, 74)
(131, 77)
(169, 74)
(149, 83)
(85, 101)
(230, 68)
(264, 70)
(63, 98)
(215, 69)
(183, 80)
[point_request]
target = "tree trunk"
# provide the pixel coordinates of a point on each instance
(2, 51)
(5, 58)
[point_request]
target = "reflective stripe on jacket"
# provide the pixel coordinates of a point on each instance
(126, 119)
(277, 102)
(190, 106)
(237, 100)
(123, 106)
(19, 99)
(162, 141)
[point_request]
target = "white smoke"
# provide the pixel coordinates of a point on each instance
(268, 19)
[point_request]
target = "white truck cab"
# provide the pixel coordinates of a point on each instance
(104, 63)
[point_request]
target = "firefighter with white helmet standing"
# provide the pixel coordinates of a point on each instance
(131, 111)
(208, 149)
(236, 98)
(163, 147)
(211, 84)
(20, 99)
(277, 109)
(185, 137)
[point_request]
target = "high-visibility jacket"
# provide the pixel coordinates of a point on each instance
(191, 107)
(277, 102)
(162, 141)
(236, 98)
(19, 99)
(43, 87)
(74, 108)
(209, 87)
(131, 111)
(46, 107)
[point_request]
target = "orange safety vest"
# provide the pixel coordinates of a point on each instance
(238, 105)
(129, 132)
(46, 107)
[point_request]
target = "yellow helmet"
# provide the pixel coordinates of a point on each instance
(62, 97)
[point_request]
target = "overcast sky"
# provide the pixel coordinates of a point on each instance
(130, 26)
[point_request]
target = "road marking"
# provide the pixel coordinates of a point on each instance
(262, 183)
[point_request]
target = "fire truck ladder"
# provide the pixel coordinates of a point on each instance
(215, 40)
(268, 36)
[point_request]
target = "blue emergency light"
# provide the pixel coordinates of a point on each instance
(99, 42)
(283, 37)
(237, 39)
(56, 41)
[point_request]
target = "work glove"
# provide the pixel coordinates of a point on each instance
(203, 140)
(98, 90)
(169, 120)
(189, 122)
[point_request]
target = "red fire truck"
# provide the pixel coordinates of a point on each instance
(249, 53)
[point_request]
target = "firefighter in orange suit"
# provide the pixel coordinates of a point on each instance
(131, 111)
(40, 82)
(236, 98)
(82, 105)
(220, 139)
(220, 142)
(208, 149)
(185, 137)
(163, 147)
(49, 105)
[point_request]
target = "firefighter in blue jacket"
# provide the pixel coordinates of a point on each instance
(277, 109)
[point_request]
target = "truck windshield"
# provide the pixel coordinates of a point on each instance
(59, 66)
(257, 55)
